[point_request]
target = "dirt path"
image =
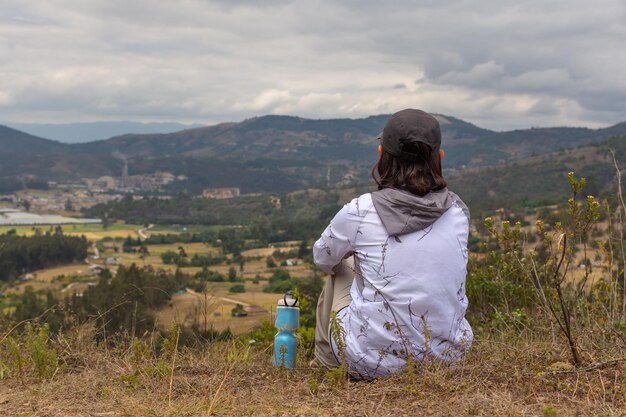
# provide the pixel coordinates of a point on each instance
(228, 300)
(141, 233)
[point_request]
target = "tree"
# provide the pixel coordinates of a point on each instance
(182, 256)
(129, 298)
(25, 204)
(106, 222)
(128, 245)
(21, 254)
(303, 250)
(28, 306)
(280, 281)
(232, 274)
(238, 311)
(143, 252)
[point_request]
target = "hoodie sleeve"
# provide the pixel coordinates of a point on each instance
(336, 242)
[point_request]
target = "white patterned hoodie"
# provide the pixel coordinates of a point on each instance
(408, 296)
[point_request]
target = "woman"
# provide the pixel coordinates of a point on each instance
(397, 259)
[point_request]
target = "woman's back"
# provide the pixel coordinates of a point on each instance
(408, 297)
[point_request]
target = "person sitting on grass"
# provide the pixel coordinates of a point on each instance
(397, 261)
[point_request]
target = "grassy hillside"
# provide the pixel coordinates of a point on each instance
(539, 179)
(503, 376)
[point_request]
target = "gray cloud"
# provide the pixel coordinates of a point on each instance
(498, 64)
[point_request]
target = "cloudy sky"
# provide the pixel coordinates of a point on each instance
(500, 64)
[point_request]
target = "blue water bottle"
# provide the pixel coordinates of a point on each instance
(287, 321)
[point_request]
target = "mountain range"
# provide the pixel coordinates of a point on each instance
(273, 153)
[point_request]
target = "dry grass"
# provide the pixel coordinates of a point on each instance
(264, 252)
(42, 279)
(502, 376)
(190, 248)
(47, 275)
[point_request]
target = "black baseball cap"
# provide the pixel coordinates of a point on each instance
(410, 126)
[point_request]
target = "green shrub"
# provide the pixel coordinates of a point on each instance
(237, 288)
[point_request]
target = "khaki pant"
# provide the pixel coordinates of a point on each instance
(334, 296)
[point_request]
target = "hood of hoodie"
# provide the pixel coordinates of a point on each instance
(402, 212)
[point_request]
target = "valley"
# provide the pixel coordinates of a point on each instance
(186, 262)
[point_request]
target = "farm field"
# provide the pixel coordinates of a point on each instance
(189, 307)
(213, 308)
(92, 232)
(190, 248)
(95, 232)
(255, 265)
(193, 228)
(44, 279)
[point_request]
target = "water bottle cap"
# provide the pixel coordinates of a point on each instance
(289, 300)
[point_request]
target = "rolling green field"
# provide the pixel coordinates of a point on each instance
(90, 231)
(183, 307)
(193, 228)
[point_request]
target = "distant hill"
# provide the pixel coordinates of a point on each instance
(274, 137)
(40, 160)
(92, 131)
(275, 153)
(15, 141)
(541, 179)
(295, 138)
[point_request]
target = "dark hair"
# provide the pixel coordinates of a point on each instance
(419, 176)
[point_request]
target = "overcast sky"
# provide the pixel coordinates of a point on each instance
(497, 63)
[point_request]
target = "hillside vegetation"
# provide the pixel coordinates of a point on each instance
(19, 254)
(528, 183)
(547, 304)
(272, 153)
(538, 180)
(269, 218)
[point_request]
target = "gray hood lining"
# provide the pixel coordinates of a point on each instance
(402, 212)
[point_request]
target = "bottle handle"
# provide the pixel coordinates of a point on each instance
(293, 295)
